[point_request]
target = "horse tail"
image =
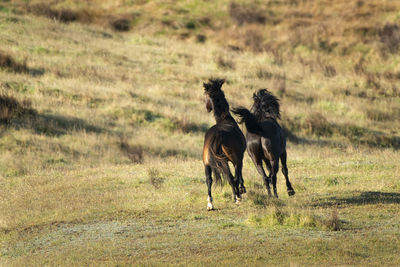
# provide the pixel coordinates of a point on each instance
(251, 122)
(217, 176)
(218, 162)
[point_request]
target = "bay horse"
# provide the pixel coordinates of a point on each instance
(223, 142)
(266, 141)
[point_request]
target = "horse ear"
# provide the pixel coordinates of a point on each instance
(206, 86)
(221, 82)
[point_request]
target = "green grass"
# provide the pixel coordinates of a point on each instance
(100, 162)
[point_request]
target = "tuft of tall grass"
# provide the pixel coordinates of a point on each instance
(282, 217)
(154, 178)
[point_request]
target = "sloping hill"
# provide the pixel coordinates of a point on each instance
(102, 129)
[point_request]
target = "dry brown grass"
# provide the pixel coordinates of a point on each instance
(109, 171)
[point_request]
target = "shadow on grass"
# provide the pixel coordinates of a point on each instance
(356, 135)
(363, 198)
(50, 124)
(8, 63)
(293, 138)
(56, 125)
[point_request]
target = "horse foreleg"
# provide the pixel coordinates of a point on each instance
(275, 168)
(285, 172)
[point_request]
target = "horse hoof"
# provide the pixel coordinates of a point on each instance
(238, 201)
(291, 192)
(210, 207)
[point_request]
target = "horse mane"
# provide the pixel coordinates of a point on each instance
(266, 105)
(220, 105)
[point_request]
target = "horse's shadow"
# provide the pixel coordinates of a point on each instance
(360, 198)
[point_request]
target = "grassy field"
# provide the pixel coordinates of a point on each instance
(102, 123)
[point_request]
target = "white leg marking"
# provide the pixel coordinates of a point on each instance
(238, 200)
(209, 204)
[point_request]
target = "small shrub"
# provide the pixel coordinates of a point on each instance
(225, 63)
(359, 66)
(390, 37)
(263, 74)
(278, 57)
(332, 181)
(352, 132)
(246, 14)
(333, 223)
(316, 124)
(254, 40)
(372, 81)
(329, 70)
(121, 24)
(261, 199)
(191, 25)
(11, 108)
(227, 196)
(258, 199)
(134, 153)
(63, 15)
(186, 126)
(392, 75)
(377, 115)
(154, 178)
(278, 217)
(9, 63)
(280, 84)
(201, 38)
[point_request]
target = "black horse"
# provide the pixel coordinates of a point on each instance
(265, 138)
(223, 142)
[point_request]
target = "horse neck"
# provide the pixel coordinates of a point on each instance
(221, 110)
(224, 118)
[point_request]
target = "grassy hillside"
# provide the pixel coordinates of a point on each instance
(102, 122)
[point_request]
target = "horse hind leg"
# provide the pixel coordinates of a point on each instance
(275, 168)
(266, 178)
(285, 172)
(269, 168)
(232, 182)
(208, 172)
(239, 177)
